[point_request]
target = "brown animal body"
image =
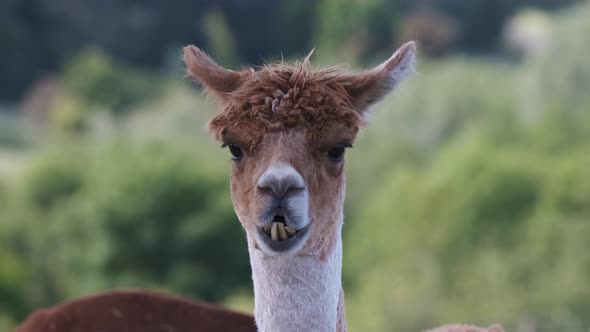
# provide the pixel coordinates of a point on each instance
(144, 311)
(136, 311)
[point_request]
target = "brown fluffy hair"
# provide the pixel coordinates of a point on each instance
(279, 97)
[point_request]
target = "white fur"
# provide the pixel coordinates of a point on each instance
(296, 293)
(396, 75)
(403, 68)
(280, 172)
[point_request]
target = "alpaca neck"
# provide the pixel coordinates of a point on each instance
(299, 293)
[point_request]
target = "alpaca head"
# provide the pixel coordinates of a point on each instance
(287, 129)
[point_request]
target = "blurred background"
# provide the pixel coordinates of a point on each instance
(468, 196)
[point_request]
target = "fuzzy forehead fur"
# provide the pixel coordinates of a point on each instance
(280, 97)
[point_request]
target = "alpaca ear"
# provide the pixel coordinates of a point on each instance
(216, 79)
(368, 87)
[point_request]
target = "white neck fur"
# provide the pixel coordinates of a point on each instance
(299, 293)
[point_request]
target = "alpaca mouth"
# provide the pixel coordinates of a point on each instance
(277, 231)
(278, 236)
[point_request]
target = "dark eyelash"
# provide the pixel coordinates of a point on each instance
(344, 145)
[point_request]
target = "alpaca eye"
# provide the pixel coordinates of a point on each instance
(235, 151)
(336, 153)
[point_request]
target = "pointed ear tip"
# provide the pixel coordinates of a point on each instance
(191, 51)
(404, 54)
(412, 43)
(410, 47)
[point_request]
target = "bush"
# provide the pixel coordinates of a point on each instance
(484, 234)
(482, 207)
(14, 273)
(91, 218)
(102, 83)
(566, 64)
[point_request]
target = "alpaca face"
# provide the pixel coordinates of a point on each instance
(287, 129)
(288, 193)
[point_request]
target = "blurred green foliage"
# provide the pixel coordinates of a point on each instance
(468, 200)
(39, 37)
(482, 235)
(485, 218)
(103, 83)
(220, 39)
(354, 29)
(88, 218)
(9, 131)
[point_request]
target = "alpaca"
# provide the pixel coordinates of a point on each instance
(287, 129)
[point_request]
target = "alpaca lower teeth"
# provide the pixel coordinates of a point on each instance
(282, 233)
(278, 231)
(290, 230)
(274, 231)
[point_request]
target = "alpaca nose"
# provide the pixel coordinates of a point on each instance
(280, 180)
